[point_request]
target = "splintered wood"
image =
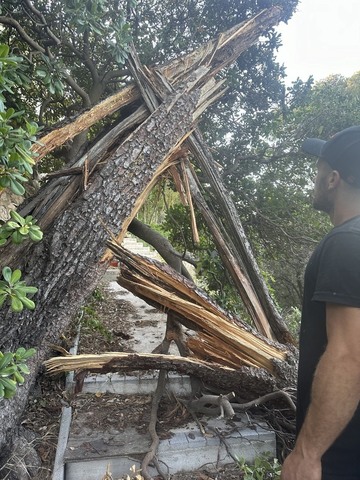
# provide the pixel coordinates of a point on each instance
(219, 337)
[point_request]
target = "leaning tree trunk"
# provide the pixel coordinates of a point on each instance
(65, 265)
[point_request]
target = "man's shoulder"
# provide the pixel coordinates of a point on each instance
(350, 226)
(347, 231)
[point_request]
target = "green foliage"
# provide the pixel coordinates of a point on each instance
(210, 271)
(19, 229)
(12, 74)
(263, 468)
(13, 367)
(15, 291)
(16, 138)
(90, 319)
(16, 133)
(292, 319)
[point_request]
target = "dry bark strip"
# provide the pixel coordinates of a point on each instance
(58, 137)
(237, 240)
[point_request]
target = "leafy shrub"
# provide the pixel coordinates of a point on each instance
(264, 468)
(16, 291)
(13, 367)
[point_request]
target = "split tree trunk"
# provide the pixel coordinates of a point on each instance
(65, 265)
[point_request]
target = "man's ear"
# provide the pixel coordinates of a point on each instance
(334, 179)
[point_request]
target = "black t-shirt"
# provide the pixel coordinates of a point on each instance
(332, 276)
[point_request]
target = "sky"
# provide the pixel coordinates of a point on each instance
(321, 38)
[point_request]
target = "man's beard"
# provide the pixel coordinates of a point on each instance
(322, 203)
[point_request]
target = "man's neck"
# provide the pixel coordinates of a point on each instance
(342, 213)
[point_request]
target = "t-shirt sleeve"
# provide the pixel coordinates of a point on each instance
(338, 279)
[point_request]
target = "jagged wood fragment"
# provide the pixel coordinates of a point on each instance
(245, 382)
(163, 286)
(238, 242)
(239, 276)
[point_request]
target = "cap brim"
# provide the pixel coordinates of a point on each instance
(313, 146)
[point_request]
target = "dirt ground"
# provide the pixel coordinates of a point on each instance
(104, 327)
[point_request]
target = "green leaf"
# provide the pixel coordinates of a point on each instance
(16, 304)
(12, 225)
(24, 230)
(29, 353)
(40, 73)
(18, 218)
(4, 51)
(24, 368)
(5, 360)
(3, 297)
(9, 393)
(35, 235)
(8, 371)
(16, 275)
(20, 352)
(9, 384)
(16, 187)
(28, 289)
(27, 302)
(7, 272)
(17, 238)
(18, 377)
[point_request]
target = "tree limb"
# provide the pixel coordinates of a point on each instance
(30, 41)
(44, 23)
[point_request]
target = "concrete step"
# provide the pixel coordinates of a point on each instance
(88, 456)
(138, 247)
(88, 451)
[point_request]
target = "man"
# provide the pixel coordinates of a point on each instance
(328, 412)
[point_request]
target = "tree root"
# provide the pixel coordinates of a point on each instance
(152, 428)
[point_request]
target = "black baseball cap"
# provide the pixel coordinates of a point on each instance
(341, 152)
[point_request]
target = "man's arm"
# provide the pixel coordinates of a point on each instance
(335, 394)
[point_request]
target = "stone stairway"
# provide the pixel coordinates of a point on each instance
(140, 248)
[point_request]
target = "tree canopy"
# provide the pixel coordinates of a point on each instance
(75, 53)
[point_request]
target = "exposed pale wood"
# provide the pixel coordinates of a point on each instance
(228, 46)
(151, 280)
(246, 382)
(196, 237)
(98, 362)
(58, 137)
(178, 184)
